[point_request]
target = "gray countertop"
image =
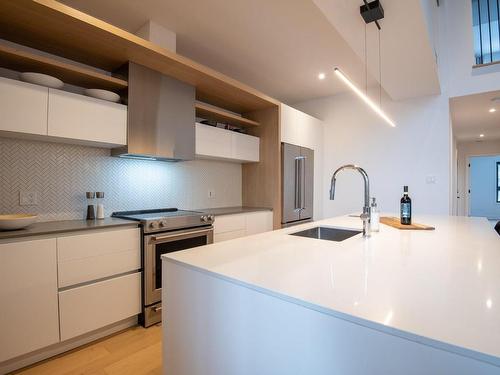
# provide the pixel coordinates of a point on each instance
(232, 210)
(56, 227)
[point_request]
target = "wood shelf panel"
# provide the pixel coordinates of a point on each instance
(223, 116)
(63, 31)
(23, 61)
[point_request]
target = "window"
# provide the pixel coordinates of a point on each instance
(486, 29)
(498, 181)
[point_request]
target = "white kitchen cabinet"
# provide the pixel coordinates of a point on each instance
(92, 256)
(89, 307)
(227, 227)
(244, 147)
(79, 117)
(23, 107)
(28, 297)
(215, 143)
(258, 222)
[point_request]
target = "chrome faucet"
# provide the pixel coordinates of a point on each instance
(366, 215)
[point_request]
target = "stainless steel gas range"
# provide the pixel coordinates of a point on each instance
(165, 231)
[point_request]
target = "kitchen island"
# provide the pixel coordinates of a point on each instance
(399, 302)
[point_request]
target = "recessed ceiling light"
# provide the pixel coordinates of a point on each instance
(321, 76)
(481, 135)
(492, 110)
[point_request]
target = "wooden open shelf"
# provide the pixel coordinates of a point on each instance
(20, 60)
(53, 27)
(216, 114)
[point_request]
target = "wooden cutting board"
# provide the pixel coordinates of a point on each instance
(396, 223)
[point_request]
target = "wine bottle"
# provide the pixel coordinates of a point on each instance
(405, 207)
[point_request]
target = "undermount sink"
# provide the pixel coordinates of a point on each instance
(327, 233)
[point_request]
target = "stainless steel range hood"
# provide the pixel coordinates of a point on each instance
(161, 117)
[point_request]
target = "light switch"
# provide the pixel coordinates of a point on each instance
(430, 179)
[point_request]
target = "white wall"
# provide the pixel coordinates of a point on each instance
(418, 148)
(456, 16)
(464, 151)
(301, 129)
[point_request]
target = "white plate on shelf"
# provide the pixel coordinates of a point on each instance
(16, 221)
(110, 96)
(42, 79)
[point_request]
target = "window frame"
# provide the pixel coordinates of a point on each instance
(497, 180)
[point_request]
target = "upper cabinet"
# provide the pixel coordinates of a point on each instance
(78, 117)
(32, 110)
(23, 107)
(299, 128)
(215, 143)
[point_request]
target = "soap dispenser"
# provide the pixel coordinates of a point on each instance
(375, 216)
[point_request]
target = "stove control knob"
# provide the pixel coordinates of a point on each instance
(204, 218)
(211, 217)
(163, 223)
(152, 225)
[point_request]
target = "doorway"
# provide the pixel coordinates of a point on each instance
(484, 186)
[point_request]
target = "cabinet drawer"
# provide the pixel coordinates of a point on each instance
(23, 107)
(79, 117)
(88, 257)
(229, 223)
(229, 235)
(97, 305)
(259, 222)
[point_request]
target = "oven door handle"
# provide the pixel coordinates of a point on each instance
(184, 234)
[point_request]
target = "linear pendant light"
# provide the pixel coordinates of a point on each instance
(364, 97)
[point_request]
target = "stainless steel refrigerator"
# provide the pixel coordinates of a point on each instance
(298, 184)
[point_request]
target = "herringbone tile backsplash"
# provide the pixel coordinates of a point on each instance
(61, 174)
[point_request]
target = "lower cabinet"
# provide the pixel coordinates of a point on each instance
(99, 284)
(89, 307)
(28, 297)
(227, 227)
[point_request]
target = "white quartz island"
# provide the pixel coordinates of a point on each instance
(399, 302)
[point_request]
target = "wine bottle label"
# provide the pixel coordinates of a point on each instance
(405, 210)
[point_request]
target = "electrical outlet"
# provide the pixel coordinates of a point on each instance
(28, 198)
(211, 194)
(430, 179)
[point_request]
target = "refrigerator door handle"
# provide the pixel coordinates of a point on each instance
(296, 205)
(303, 183)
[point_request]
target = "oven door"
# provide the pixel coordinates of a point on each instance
(155, 245)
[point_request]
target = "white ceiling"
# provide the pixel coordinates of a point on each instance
(470, 116)
(408, 59)
(277, 46)
(280, 46)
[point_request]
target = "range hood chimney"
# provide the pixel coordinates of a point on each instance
(161, 117)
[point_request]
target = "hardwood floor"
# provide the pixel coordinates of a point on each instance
(136, 351)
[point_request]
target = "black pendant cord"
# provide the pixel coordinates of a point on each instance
(379, 71)
(366, 65)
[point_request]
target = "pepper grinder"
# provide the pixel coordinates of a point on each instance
(100, 207)
(90, 208)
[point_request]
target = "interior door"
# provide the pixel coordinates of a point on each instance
(307, 180)
(483, 187)
(290, 159)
